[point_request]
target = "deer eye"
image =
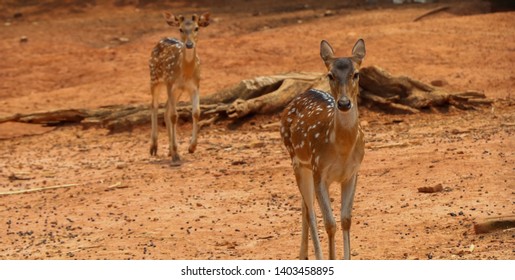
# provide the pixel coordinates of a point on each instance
(355, 76)
(196, 29)
(330, 76)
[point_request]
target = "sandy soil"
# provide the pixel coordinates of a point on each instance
(236, 198)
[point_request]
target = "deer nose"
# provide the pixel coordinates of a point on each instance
(189, 44)
(344, 104)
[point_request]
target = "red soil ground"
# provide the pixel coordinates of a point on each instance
(236, 198)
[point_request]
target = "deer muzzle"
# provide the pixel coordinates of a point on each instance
(189, 44)
(344, 104)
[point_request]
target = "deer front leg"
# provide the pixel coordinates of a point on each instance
(305, 182)
(348, 190)
(195, 112)
(154, 108)
(324, 202)
(171, 119)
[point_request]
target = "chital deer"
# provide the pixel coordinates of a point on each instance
(322, 134)
(175, 64)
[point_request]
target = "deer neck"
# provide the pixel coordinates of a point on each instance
(189, 55)
(345, 127)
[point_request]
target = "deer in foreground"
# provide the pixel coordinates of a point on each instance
(174, 63)
(322, 134)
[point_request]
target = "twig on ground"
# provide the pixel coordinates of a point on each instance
(38, 189)
(430, 12)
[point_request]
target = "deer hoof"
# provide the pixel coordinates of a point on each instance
(192, 148)
(176, 160)
(153, 150)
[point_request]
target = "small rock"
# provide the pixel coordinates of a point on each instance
(257, 144)
(452, 214)
(123, 39)
(328, 13)
(121, 165)
(433, 189)
(17, 15)
(24, 39)
(439, 83)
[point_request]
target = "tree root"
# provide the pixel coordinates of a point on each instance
(270, 94)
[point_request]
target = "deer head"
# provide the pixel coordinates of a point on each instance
(188, 26)
(343, 74)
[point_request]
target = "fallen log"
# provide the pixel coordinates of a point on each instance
(271, 102)
(494, 224)
(269, 94)
(49, 117)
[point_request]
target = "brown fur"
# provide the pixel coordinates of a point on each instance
(326, 144)
(174, 63)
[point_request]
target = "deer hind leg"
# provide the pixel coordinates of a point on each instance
(305, 233)
(154, 108)
(195, 112)
(324, 202)
(171, 119)
(304, 178)
(348, 190)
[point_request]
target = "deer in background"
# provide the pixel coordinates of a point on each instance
(175, 64)
(322, 134)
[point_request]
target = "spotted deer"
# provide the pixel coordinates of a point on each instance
(174, 63)
(322, 134)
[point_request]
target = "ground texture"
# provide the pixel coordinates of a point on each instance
(235, 198)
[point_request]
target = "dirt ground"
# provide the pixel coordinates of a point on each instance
(235, 198)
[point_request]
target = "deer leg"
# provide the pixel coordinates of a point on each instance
(154, 108)
(324, 202)
(305, 182)
(305, 233)
(348, 190)
(195, 112)
(171, 119)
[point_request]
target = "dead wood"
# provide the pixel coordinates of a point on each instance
(255, 87)
(38, 189)
(271, 102)
(48, 117)
(270, 94)
(494, 224)
(430, 12)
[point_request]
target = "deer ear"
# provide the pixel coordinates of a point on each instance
(171, 19)
(204, 20)
(358, 51)
(326, 52)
